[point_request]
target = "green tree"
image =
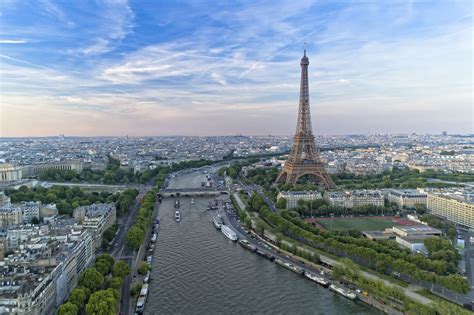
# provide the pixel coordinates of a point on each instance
(120, 269)
(135, 237)
(91, 279)
(67, 308)
(103, 302)
(143, 268)
(115, 283)
(78, 297)
(281, 204)
(102, 266)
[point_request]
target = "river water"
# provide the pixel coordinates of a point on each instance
(197, 270)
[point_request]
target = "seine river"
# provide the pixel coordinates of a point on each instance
(197, 270)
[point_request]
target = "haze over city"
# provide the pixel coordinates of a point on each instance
(156, 68)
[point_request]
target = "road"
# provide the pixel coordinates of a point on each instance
(119, 250)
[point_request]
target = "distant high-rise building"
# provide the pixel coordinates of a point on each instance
(444, 133)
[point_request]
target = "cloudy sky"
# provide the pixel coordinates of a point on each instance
(203, 68)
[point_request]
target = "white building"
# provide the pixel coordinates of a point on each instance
(355, 198)
(292, 197)
(31, 210)
(10, 172)
(413, 236)
(10, 215)
(407, 198)
(454, 207)
(97, 217)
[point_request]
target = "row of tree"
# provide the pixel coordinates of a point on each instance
(67, 199)
(397, 178)
(115, 174)
(136, 234)
(384, 256)
(346, 270)
(321, 208)
(98, 288)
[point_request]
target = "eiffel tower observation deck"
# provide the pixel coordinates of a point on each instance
(304, 156)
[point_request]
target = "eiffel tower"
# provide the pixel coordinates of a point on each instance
(304, 156)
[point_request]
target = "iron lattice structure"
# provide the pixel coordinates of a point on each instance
(304, 156)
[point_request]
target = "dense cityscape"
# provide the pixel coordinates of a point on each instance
(320, 221)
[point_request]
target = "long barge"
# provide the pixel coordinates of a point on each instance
(319, 280)
(289, 266)
(246, 244)
(343, 291)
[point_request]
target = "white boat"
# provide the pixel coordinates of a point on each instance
(218, 222)
(317, 279)
(140, 305)
(192, 201)
(177, 216)
(153, 238)
(229, 232)
(342, 291)
(144, 290)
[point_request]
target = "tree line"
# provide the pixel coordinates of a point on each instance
(346, 270)
(321, 208)
(136, 234)
(397, 178)
(383, 256)
(67, 199)
(98, 288)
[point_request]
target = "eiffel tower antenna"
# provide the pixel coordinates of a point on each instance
(304, 156)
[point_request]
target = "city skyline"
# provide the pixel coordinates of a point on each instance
(137, 69)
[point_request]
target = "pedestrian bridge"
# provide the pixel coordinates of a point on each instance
(185, 192)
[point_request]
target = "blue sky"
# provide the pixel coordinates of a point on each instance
(227, 67)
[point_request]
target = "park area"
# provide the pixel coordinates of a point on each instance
(360, 223)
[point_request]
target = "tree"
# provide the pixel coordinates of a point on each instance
(120, 269)
(281, 204)
(107, 258)
(102, 266)
(135, 237)
(115, 283)
(135, 289)
(91, 279)
(78, 297)
(67, 308)
(34, 220)
(103, 302)
(143, 268)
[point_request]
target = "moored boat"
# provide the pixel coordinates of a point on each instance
(319, 280)
(218, 222)
(246, 244)
(227, 231)
(343, 291)
(289, 266)
(265, 255)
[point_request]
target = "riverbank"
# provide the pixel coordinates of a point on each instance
(408, 298)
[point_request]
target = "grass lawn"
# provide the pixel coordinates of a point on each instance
(361, 224)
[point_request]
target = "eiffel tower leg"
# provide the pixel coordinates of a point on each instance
(282, 178)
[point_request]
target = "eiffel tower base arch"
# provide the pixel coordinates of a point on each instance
(291, 173)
